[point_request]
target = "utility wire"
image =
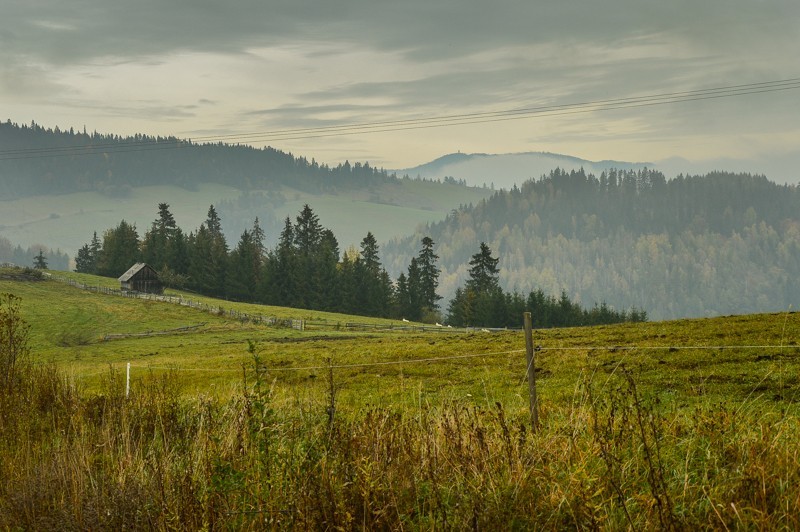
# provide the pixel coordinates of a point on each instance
(411, 124)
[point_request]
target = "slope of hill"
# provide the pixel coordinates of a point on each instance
(57, 187)
(685, 425)
(710, 245)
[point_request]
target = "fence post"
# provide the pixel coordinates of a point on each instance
(531, 372)
(128, 381)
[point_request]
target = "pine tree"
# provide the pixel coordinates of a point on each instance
(87, 256)
(258, 238)
(40, 261)
(483, 272)
(401, 298)
(428, 275)
(244, 269)
(278, 286)
(307, 237)
(369, 254)
(83, 262)
(95, 248)
(414, 309)
(373, 295)
(213, 223)
(326, 271)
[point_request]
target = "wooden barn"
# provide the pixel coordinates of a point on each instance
(141, 278)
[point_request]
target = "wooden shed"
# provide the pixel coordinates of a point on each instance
(141, 278)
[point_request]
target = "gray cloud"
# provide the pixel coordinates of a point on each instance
(78, 31)
(453, 56)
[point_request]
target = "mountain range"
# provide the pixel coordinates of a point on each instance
(509, 169)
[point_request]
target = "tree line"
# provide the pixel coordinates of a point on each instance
(113, 164)
(482, 302)
(306, 269)
(55, 258)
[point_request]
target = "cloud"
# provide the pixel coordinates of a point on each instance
(251, 65)
(425, 30)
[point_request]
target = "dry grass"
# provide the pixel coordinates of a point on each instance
(609, 460)
(644, 439)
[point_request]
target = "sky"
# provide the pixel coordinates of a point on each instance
(195, 69)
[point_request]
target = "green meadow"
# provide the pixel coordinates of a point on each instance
(683, 362)
(232, 424)
(67, 221)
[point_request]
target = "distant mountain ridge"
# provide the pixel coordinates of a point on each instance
(509, 169)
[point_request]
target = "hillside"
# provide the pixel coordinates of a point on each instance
(691, 246)
(647, 426)
(68, 326)
(57, 187)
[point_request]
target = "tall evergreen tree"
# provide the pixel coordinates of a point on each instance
(244, 269)
(349, 282)
(281, 278)
(327, 271)
(40, 261)
(369, 254)
(159, 242)
(428, 275)
(213, 222)
(95, 247)
(83, 261)
(413, 310)
(401, 297)
(373, 297)
(483, 271)
(208, 262)
(307, 237)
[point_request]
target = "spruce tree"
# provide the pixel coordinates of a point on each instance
(40, 261)
(483, 271)
(428, 275)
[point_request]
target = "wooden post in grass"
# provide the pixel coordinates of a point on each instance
(128, 381)
(531, 371)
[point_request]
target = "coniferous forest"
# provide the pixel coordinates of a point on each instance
(306, 269)
(690, 246)
(112, 164)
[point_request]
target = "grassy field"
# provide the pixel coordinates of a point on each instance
(684, 362)
(668, 425)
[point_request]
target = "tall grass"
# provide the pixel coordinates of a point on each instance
(612, 459)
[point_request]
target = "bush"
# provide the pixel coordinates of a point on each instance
(14, 333)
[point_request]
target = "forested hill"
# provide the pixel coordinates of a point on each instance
(690, 246)
(35, 160)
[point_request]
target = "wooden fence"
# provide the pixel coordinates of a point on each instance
(298, 324)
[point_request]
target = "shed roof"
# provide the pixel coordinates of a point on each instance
(132, 271)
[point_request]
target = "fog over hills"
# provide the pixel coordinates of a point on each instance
(509, 169)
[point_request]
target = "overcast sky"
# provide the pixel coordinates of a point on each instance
(194, 68)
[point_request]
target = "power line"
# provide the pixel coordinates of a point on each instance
(413, 123)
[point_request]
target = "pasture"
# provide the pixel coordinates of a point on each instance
(685, 424)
